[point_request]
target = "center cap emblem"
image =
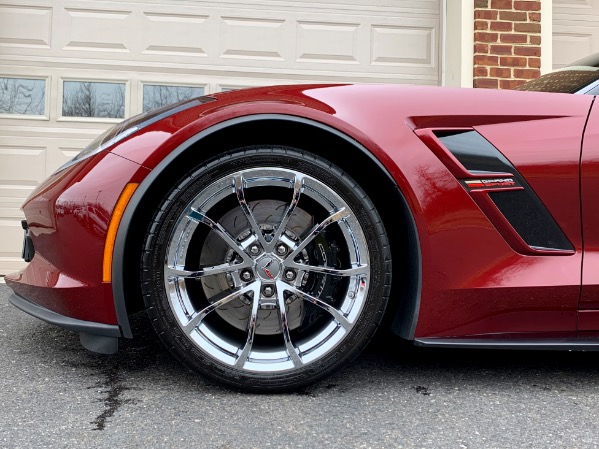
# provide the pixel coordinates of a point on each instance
(268, 268)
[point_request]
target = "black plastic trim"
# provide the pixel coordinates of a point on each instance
(72, 324)
(563, 344)
(406, 319)
(99, 343)
(118, 281)
(28, 249)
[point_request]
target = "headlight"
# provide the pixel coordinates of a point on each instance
(127, 127)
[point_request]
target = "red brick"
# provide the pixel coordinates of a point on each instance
(527, 6)
(500, 72)
(510, 84)
(486, 83)
(481, 36)
(527, 51)
(535, 40)
(513, 16)
(481, 3)
(501, 26)
(534, 16)
(481, 71)
(481, 48)
(501, 50)
(487, 14)
(527, 27)
(481, 25)
(534, 63)
(501, 4)
(489, 60)
(513, 38)
(527, 73)
(513, 61)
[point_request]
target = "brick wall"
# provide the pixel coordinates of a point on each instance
(507, 42)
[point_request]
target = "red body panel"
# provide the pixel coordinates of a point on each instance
(473, 281)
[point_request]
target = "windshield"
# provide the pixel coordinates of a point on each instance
(571, 79)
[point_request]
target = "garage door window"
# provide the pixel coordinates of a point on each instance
(22, 96)
(93, 99)
(157, 96)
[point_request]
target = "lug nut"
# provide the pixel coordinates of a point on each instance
(281, 249)
(255, 250)
(289, 275)
(268, 291)
(246, 275)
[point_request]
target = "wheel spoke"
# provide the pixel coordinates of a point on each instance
(179, 272)
(337, 315)
(200, 217)
(197, 318)
(240, 193)
(291, 350)
(298, 187)
(333, 218)
(362, 269)
(251, 329)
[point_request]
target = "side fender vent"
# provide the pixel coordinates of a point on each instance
(499, 189)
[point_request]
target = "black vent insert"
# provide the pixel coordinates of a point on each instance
(530, 219)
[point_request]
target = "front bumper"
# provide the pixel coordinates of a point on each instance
(67, 219)
(96, 337)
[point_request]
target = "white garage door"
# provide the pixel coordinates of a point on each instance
(69, 69)
(575, 30)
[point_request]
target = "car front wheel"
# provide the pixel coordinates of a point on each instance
(266, 269)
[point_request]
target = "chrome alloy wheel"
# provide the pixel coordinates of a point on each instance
(267, 270)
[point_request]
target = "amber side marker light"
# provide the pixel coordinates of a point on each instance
(113, 227)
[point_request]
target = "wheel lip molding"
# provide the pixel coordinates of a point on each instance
(405, 321)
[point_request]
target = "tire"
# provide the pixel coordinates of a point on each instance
(266, 269)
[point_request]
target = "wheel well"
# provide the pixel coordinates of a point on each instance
(332, 146)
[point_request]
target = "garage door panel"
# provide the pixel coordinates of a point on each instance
(572, 43)
(99, 30)
(26, 163)
(25, 26)
(575, 30)
(327, 42)
(400, 45)
(168, 34)
(568, 6)
(253, 38)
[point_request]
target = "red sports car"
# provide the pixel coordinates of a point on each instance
(269, 232)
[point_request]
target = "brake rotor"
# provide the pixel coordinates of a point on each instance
(268, 214)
